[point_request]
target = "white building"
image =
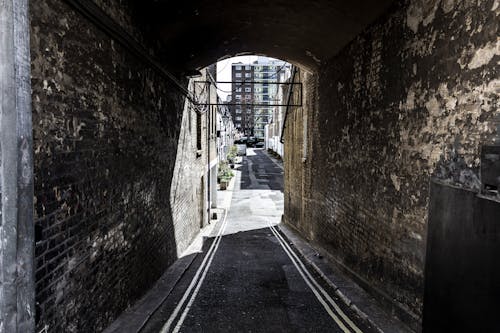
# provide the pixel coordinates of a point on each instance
(267, 72)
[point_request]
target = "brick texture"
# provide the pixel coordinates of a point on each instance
(106, 130)
(414, 96)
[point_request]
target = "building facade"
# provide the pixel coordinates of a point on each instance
(274, 128)
(242, 76)
(266, 75)
(254, 92)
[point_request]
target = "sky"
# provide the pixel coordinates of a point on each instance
(224, 73)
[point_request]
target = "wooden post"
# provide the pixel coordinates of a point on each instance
(17, 288)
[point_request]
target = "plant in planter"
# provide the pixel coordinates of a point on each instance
(224, 175)
(224, 182)
(231, 156)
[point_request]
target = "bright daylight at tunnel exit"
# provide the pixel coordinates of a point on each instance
(259, 166)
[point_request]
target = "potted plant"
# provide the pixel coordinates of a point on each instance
(231, 156)
(224, 175)
(224, 182)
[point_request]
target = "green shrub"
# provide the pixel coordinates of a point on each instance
(231, 155)
(224, 172)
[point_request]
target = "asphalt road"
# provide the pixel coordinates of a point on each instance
(247, 279)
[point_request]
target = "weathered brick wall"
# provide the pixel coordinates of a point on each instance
(106, 128)
(189, 188)
(297, 157)
(414, 96)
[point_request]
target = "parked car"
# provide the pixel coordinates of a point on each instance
(259, 144)
(241, 149)
(242, 140)
(251, 141)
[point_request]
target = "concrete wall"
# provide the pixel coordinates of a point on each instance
(414, 96)
(106, 129)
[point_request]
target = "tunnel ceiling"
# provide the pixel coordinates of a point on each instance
(197, 33)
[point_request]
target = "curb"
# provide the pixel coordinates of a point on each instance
(134, 318)
(279, 163)
(385, 323)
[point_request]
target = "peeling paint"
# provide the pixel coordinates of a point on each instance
(413, 97)
(484, 55)
(447, 5)
(396, 182)
(105, 130)
(421, 11)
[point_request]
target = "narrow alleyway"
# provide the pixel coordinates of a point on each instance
(247, 280)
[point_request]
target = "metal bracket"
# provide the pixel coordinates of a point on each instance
(251, 103)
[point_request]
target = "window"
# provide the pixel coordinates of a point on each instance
(238, 68)
(248, 68)
(237, 75)
(238, 89)
(238, 97)
(198, 131)
(248, 89)
(248, 96)
(238, 111)
(247, 75)
(238, 118)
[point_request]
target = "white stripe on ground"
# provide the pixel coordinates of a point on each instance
(327, 296)
(315, 287)
(200, 282)
(195, 282)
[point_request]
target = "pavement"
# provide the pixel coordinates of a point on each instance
(253, 275)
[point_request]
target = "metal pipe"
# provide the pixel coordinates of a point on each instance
(288, 104)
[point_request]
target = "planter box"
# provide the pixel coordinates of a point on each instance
(223, 184)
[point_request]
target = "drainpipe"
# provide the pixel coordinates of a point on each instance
(209, 193)
(288, 103)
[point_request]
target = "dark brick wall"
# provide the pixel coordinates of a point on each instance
(106, 129)
(188, 195)
(414, 96)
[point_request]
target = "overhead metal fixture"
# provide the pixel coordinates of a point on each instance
(251, 102)
(192, 74)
